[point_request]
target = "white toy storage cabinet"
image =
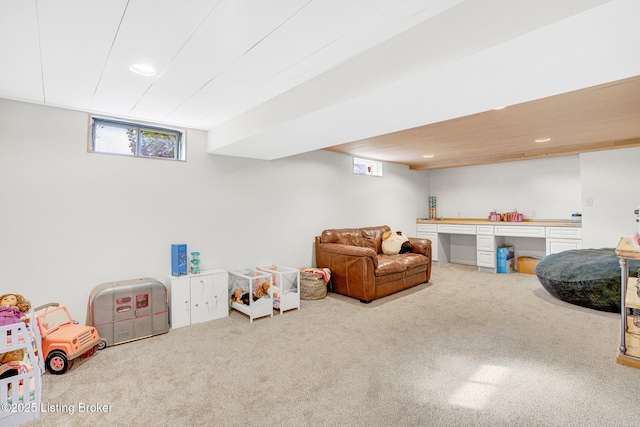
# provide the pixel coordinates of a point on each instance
(197, 298)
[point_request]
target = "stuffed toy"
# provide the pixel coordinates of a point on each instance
(13, 309)
(240, 298)
(394, 242)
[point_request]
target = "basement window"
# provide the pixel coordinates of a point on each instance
(367, 167)
(109, 136)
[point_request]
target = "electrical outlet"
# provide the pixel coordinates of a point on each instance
(533, 214)
(589, 202)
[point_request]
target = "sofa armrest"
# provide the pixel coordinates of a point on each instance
(420, 246)
(352, 268)
(348, 250)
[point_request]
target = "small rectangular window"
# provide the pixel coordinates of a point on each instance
(367, 167)
(135, 139)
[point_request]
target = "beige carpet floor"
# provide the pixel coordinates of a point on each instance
(467, 349)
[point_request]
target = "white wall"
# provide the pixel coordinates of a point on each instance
(553, 188)
(71, 220)
(611, 180)
(540, 188)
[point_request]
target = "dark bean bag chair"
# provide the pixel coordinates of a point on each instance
(585, 277)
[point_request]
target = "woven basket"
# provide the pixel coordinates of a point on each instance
(312, 286)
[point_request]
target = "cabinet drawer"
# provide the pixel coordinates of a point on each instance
(486, 230)
(486, 259)
(485, 243)
(519, 231)
(427, 228)
(564, 232)
(560, 245)
(431, 236)
(456, 229)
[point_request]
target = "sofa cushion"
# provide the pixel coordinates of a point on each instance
(411, 260)
(373, 237)
(343, 236)
(390, 264)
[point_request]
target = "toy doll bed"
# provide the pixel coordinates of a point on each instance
(287, 280)
(20, 380)
(246, 281)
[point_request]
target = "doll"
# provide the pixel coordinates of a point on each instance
(12, 363)
(13, 308)
(240, 298)
(272, 291)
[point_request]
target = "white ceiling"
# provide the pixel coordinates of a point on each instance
(273, 78)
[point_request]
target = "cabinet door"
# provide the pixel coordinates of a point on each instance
(519, 231)
(201, 298)
(558, 245)
(457, 228)
(485, 243)
(487, 230)
(179, 302)
(564, 232)
(486, 259)
(220, 294)
(427, 228)
(434, 243)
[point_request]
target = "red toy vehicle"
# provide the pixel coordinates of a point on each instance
(62, 339)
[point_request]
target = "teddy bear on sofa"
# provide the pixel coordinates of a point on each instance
(394, 242)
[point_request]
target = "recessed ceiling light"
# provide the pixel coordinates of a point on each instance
(500, 108)
(543, 139)
(428, 156)
(143, 69)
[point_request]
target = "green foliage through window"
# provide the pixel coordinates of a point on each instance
(131, 139)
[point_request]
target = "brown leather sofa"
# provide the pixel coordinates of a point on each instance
(360, 270)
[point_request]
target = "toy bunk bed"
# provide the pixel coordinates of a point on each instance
(20, 380)
(247, 281)
(288, 281)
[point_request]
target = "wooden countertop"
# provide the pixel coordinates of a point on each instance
(484, 221)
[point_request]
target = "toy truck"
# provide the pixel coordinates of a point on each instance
(62, 339)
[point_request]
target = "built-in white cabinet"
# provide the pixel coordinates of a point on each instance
(197, 298)
(489, 237)
(486, 250)
(564, 233)
(559, 245)
(561, 239)
(520, 231)
(429, 231)
(457, 228)
(485, 230)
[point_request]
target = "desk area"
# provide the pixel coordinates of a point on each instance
(474, 241)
